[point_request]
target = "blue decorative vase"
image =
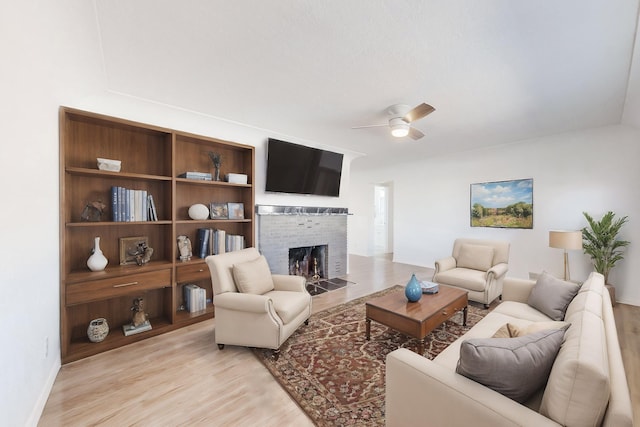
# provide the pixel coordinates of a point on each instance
(413, 290)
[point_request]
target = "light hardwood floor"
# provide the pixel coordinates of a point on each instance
(181, 378)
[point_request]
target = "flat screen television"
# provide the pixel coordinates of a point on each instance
(298, 169)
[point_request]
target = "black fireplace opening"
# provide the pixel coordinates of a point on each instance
(311, 262)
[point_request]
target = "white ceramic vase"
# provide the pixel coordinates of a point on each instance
(97, 261)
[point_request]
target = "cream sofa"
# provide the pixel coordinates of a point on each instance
(586, 387)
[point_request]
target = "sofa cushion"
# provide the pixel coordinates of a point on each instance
(590, 301)
(475, 257)
(520, 310)
(595, 282)
(577, 392)
(253, 277)
(511, 330)
(514, 367)
(552, 296)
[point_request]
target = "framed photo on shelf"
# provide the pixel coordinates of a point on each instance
(218, 211)
(131, 248)
(236, 210)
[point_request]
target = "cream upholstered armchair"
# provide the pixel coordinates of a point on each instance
(254, 308)
(476, 266)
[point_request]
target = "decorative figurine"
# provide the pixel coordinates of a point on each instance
(140, 321)
(139, 316)
(93, 211)
(142, 253)
(216, 159)
(184, 247)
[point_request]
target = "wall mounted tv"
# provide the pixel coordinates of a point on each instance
(297, 169)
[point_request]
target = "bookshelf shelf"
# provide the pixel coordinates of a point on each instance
(152, 159)
(133, 176)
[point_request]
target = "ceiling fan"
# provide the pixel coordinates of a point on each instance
(400, 118)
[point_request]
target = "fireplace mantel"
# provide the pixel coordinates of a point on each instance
(299, 210)
(284, 227)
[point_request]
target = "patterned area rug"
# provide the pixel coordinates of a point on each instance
(335, 375)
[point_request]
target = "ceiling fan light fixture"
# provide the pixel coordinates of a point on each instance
(399, 128)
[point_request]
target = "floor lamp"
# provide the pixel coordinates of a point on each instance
(567, 240)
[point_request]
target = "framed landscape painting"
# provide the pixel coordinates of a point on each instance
(502, 204)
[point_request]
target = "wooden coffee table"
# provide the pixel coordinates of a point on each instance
(416, 319)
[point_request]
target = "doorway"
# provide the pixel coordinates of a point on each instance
(382, 219)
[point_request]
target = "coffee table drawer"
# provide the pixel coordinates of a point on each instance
(443, 315)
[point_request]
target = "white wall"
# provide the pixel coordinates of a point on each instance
(593, 171)
(53, 57)
(50, 54)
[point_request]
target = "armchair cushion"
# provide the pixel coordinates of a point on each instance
(289, 305)
(552, 296)
(476, 257)
(514, 367)
(253, 277)
(467, 278)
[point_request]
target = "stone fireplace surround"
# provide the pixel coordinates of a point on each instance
(283, 227)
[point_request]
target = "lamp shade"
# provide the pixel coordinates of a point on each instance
(565, 239)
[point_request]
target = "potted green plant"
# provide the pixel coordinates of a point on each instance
(600, 242)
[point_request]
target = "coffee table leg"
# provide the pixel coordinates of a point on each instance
(421, 347)
(464, 316)
(368, 330)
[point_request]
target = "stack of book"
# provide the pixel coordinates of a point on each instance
(195, 298)
(234, 242)
(212, 241)
(203, 176)
(132, 205)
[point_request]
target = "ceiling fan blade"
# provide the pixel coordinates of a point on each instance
(418, 112)
(415, 134)
(369, 126)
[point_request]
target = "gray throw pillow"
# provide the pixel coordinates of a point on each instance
(552, 296)
(514, 367)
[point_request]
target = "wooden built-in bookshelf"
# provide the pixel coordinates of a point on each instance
(152, 159)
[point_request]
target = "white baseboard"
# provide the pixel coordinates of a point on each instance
(36, 413)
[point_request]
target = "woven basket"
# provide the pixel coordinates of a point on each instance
(98, 330)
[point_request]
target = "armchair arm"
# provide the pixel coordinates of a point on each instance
(243, 302)
(445, 264)
(498, 270)
(284, 282)
(515, 289)
(417, 387)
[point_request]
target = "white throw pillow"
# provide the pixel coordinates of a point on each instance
(476, 257)
(253, 277)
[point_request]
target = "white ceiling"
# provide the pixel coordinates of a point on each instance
(496, 71)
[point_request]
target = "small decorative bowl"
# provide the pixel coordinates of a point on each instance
(109, 165)
(98, 330)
